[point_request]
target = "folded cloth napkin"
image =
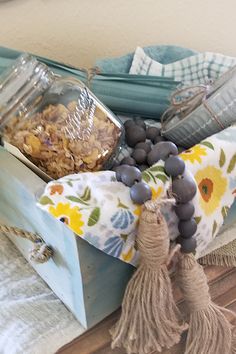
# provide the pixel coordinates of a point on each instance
(193, 70)
(164, 54)
(32, 319)
(99, 209)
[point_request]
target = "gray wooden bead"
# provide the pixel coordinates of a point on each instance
(159, 139)
(165, 149)
(184, 211)
(152, 157)
(128, 161)
(140, 193)
(129, 123)
(140, 122)
(139, 155)
(184, 188)
(188, 245)
(174, 166)
(130, 175)
(187, 228)
(134, 135)
(152, 133)
(118, 170)
(145, 146)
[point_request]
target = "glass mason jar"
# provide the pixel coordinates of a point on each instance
(56, 122)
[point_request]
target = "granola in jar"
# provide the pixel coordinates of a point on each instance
(56, 122)
(43, 139)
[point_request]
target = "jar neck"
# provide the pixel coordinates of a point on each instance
(22, 87)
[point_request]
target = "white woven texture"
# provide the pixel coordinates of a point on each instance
(32, 319)
(194, 70)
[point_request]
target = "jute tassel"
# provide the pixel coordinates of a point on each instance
(209, 330)
(150, 319)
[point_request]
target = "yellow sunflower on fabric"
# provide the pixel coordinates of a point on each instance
(155, 194)
(194, 154)
(212, 187)
(71, 216)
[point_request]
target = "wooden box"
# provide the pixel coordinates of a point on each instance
(90, 283)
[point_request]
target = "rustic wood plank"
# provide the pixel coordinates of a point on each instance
(228, 298)
(227, 282)
(213, 274)
(97, 340)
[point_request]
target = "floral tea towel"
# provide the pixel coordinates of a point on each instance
(99, 209)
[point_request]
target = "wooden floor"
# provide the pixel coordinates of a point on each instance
(97, 341)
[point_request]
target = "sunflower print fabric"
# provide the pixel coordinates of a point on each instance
(71, 216)
(99, 209)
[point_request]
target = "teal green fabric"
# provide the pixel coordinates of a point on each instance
(164, 54)
(147, 96)
(7, 57)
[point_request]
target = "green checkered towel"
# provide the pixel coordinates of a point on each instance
(194, 70)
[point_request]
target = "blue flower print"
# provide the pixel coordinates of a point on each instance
(114, 246)
(122, 219)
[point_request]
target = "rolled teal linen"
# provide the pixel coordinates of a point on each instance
(147, 96)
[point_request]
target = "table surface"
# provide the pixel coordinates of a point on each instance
(222, 283)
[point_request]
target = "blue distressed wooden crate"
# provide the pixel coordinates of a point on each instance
(90, 283)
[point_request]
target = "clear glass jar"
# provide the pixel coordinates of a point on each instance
(56, 122)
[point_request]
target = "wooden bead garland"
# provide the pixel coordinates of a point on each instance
(183, 189)
(150, 319)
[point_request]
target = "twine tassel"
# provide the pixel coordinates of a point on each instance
(209, 330)
(150, 319)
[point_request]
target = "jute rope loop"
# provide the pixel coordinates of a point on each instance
(155, 205)
(40, 253)
(90, 73)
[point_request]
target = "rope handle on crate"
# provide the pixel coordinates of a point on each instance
(40, 253)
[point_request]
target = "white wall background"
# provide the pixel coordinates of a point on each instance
(79, 31)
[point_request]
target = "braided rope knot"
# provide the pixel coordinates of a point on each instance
(155, 205)
(40, 253)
